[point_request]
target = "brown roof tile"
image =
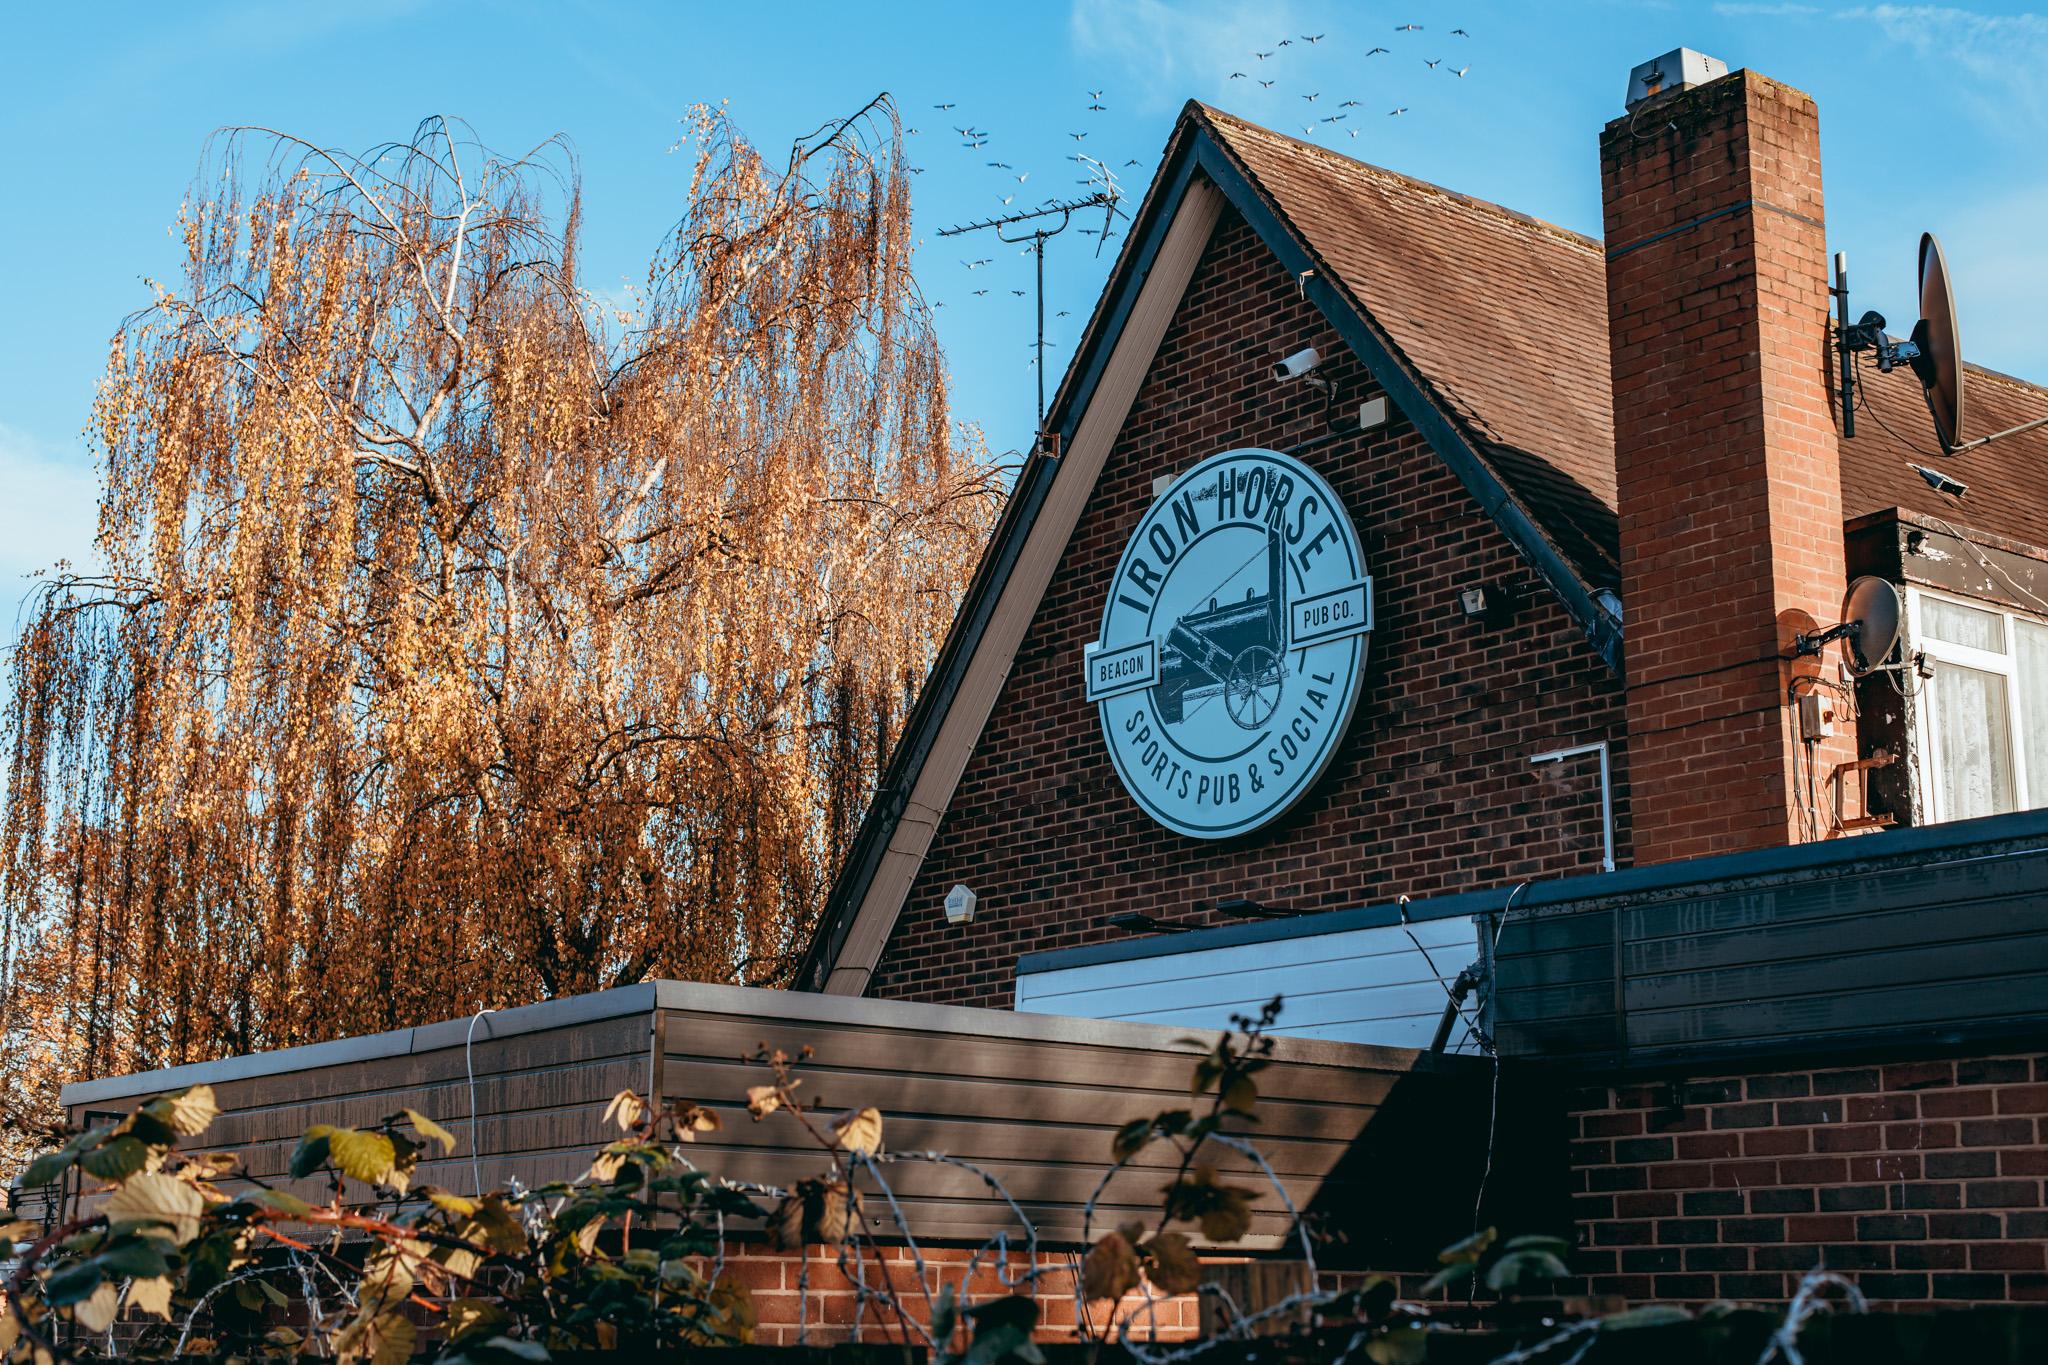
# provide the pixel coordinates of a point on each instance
(1505, 319)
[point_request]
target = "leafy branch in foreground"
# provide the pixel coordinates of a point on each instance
(500, 1276)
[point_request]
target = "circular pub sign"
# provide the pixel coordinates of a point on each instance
(1233, 644)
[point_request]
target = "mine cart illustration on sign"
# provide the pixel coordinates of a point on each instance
(1238, 649)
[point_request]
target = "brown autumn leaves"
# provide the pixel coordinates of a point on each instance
(461, 639)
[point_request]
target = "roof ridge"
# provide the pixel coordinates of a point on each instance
(1570, 236)
(2015, 381)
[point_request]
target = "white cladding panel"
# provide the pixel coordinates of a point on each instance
(1359, 986)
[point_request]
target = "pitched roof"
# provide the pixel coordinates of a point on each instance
(1505, 317)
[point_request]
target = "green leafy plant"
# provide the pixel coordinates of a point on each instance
(508, 1275)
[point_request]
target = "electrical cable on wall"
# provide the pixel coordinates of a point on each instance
(476, 1173)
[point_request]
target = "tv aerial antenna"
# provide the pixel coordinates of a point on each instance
(1063, 210)
(1934, 351)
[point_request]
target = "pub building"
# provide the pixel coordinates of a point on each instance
(1426, 614)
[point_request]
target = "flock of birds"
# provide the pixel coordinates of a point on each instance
(1314, 125)
(1094, 176)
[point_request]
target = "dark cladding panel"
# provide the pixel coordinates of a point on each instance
(1914, 937)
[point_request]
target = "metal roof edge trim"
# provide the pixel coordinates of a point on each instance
(850, 1011)
(505, 1023)
(752, 1002)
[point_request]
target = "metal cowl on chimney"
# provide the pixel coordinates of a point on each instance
(1680, 69)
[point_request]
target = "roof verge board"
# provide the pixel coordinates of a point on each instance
(1212, 160)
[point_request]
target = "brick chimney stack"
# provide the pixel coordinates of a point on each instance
(1728, 475)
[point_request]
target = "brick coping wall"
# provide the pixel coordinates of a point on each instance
(1920, 1180)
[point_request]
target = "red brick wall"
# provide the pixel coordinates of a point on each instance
(1432, 792)
(810, 1296)
(1727, 469)
(1922, 1180)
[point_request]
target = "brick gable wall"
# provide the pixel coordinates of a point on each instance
(1431, 793)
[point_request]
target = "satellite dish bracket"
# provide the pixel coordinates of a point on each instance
(1804, 643)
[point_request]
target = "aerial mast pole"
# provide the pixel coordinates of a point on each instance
(1064, 211)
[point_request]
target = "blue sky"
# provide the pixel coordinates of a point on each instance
(1932, 117)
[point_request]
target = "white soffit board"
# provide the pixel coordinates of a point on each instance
(1080, 465)
(1369, 985)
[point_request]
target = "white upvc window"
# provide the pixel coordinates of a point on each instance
(1983, 714)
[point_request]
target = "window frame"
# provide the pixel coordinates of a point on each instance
(2005, 665)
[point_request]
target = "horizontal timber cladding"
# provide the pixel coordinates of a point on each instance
(541, 1075)
(1923, 936)
(1031, 1100)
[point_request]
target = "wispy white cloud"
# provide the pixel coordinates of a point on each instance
(1994, 247)
(1168, 49)
(50, 512)
(1995, 60)
(1766, 11)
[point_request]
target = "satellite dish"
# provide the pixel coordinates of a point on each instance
(1872, 606)
(1870, 623)
(1939, 362)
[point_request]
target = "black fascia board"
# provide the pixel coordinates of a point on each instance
(1404, 386)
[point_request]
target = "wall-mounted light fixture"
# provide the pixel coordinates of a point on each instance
(1237, 907)
(1133, 922)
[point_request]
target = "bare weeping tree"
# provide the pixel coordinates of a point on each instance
(462, 638)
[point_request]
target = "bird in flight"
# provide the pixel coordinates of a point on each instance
(1024, 177)
(1313, 98)
(1459, 33)
(1002, 165)
(1348, 104)
(1265, 85)
(1308, 130)
(1392, 112)
(1336, 118)
(1407, 28)
(942, 106)
(1237, 75)
(976, 265)
(1352, 131)
(1094, 94)
(980, 293)
(1018, 292)
(1313, 37)
(1377, 51)
(1062, 313)
(1285, 42)
(1460, 72)
(1262, 55)
(1432, 65)
(1133, 162)
(1097, 108)
(1008, 197)
(1077, 136)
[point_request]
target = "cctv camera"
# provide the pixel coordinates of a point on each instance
(1297, 365)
